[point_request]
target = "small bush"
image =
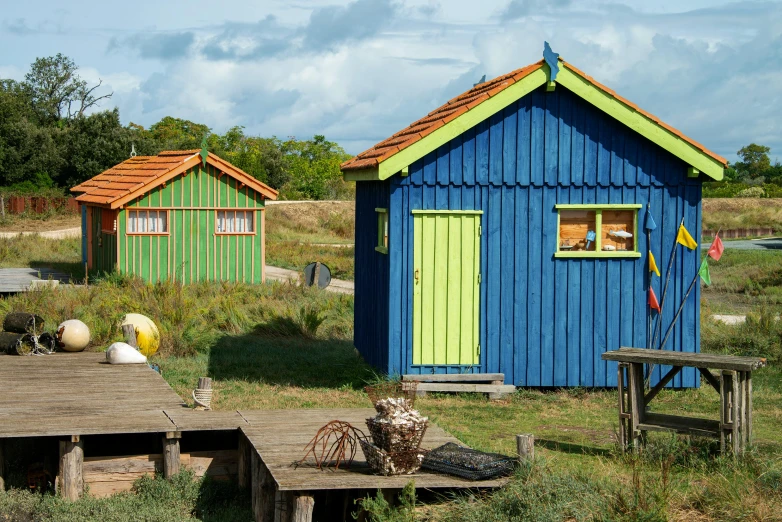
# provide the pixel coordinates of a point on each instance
(751, 192)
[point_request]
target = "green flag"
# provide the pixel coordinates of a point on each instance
(703, 271)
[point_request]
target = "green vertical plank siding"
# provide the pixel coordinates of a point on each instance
(446, 257)
(191, 251)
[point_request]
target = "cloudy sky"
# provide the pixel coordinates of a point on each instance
(357, 71)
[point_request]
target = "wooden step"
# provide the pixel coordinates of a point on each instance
(495, 391)
(494, 378)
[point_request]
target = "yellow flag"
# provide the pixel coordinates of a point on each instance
(684, 238)
(653, 264)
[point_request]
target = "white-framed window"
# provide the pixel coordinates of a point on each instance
(235, 222)
(150, 222)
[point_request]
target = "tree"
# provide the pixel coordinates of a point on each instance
(177, 134)
(57, 91)
(754, 161)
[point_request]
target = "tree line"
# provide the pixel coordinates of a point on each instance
(753, 175)
(52, 138)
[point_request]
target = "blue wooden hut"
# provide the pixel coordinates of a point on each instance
(504, 232)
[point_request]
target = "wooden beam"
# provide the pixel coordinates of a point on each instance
(692, 172)
(244, 463)
(170, 456)
(660, 385)
(2, 464)
(71, 473)
(456, 377)
(706, 373)
(263, 489)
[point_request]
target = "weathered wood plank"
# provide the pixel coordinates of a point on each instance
(278, 453)
(696, 360)
(465, 387)
(679, 424)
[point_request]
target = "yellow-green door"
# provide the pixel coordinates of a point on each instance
(446, 282)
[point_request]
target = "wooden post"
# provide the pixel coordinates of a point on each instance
(204, 383)
(2, 464)
(71, 468)
(736, 415)
(622, 369)
(171, 453)
(244, 464)
(636, 402)
(726, 409)
(525, 446)
(302, 507)
(749, 408)
(263, 489)
(129, 332)
(283, 506)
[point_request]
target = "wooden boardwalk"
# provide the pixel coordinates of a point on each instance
(72, 395)
(279, 437)
(22, 279)
(66, 394)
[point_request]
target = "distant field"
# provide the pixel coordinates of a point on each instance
(742, 212)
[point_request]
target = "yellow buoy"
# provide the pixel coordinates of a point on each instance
(147, 334)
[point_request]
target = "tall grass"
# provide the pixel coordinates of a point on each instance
(152, 499)
(191, 318)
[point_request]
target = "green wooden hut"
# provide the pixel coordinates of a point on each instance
(179, 215)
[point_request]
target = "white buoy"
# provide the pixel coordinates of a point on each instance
(73, 335)
(123, 353)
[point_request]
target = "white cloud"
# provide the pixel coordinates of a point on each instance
(708, 68)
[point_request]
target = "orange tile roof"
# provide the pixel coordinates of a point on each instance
(136, 176)
(457, 106)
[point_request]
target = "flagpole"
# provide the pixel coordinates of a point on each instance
(665, 289)
(686, 295)
(679, 311)
(649, 318)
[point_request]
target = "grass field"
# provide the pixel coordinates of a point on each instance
(283, 346)
(727, 213)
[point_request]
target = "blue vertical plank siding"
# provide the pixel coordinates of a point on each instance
(372, 298)
(544, 321)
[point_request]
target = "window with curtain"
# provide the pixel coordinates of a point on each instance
(147, 222)
(235, 222)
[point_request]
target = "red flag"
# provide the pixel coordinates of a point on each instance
(653, 303)
(716, 248)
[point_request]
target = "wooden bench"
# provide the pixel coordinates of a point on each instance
(733, 382)
(491, 383)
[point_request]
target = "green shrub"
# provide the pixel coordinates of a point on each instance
(751, 192)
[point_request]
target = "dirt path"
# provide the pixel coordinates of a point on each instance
(48, 234)
(274, 273)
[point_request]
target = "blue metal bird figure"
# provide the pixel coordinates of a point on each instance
(483, 79)
(552, 59)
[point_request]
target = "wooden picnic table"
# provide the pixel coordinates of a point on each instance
(733, 382)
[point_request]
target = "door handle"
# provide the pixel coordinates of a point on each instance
(417, 276)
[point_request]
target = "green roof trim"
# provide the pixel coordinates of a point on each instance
(698, 160)
(452, 129)
(641, 124)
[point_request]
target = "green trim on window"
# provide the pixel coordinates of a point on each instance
(617, 206)
(469, 212)
(599, 252)
(382, 230)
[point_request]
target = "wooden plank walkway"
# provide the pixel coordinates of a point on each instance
(280, 436)
(80, 394)
(22, 279)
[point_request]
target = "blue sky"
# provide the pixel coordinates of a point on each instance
(358, 71)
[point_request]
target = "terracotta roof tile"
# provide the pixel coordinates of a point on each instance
(136, 176)
(466, 101)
